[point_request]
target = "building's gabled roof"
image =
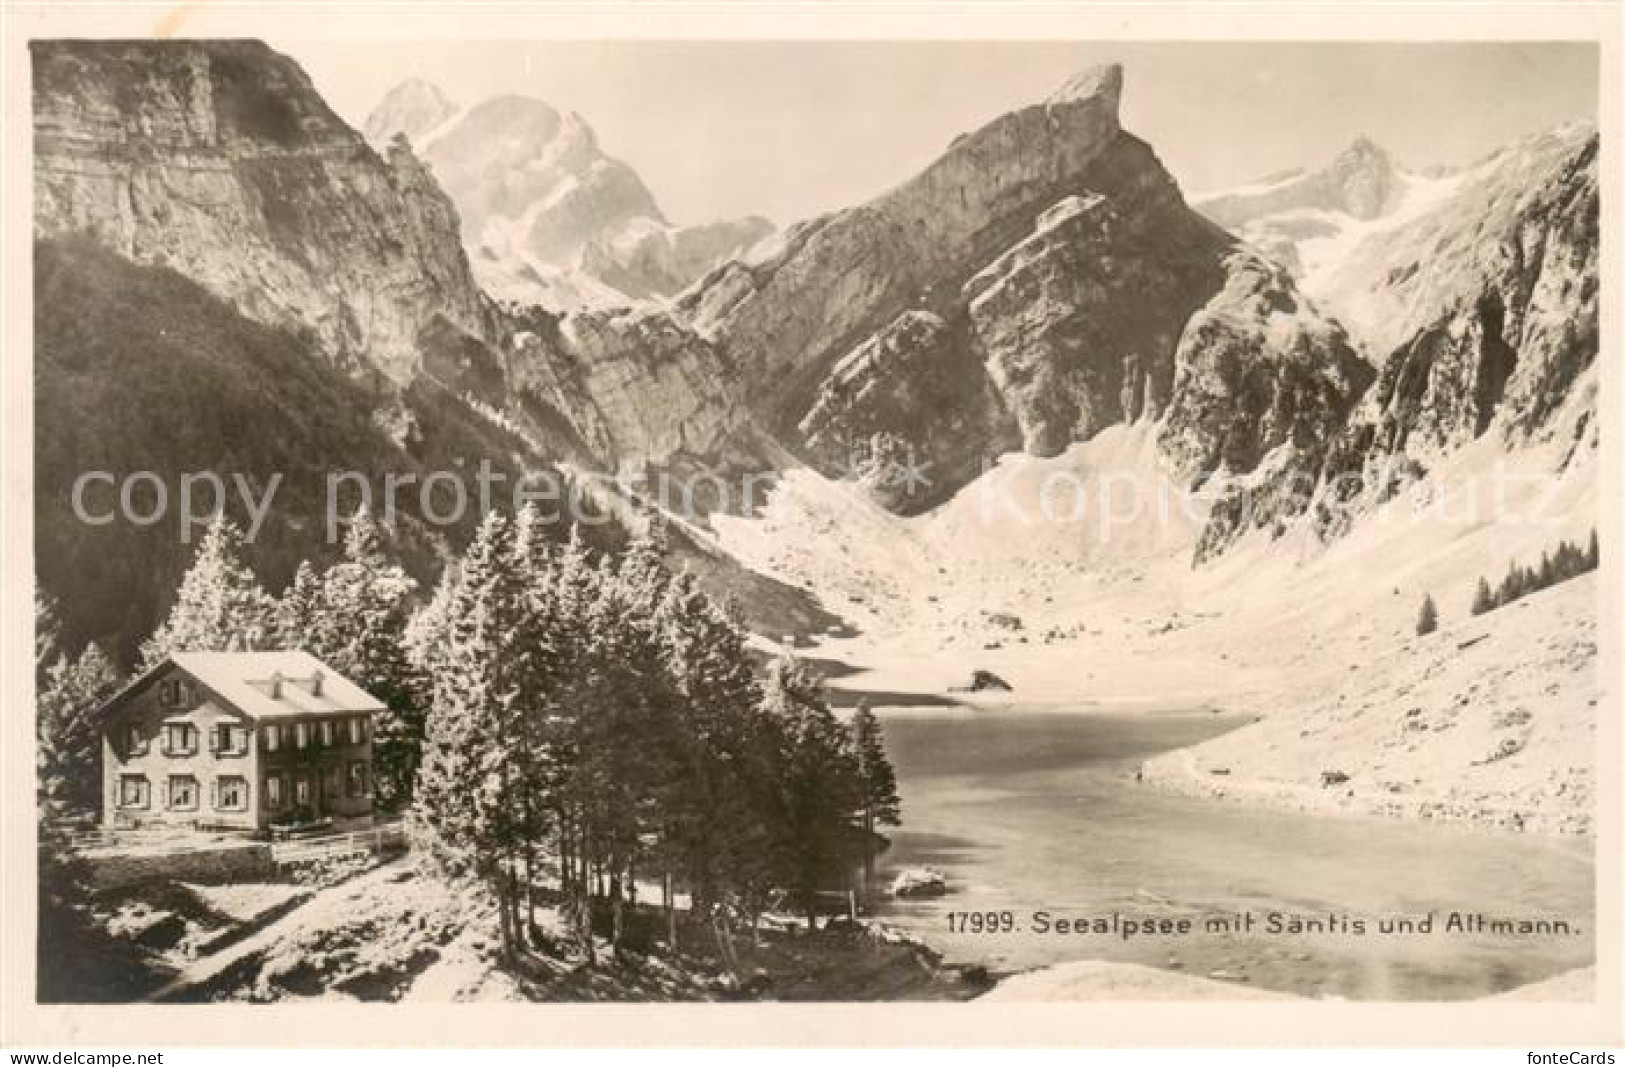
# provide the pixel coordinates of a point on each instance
(246, 681)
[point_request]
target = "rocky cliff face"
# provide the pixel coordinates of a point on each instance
(219, 160)
(1080, 319)
(1494, 297)
(910, 413)
(1262, 387)
(1256, 370)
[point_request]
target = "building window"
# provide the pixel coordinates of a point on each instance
(173, 693)
(134, 743)
(230, 739)
(231, 793)
(180, 739)
(301, 734)
(132, 791)
(273, 738)
(358, 729)
(182, 792)
(358, 778)
(301, 790)
(273, 791)
(325, 732)
(332, 782)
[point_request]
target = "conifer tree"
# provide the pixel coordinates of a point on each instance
(1427, 619)
(466, 808)
(300, 614)
(1483, 599)
(642, 574)
(623, 781)
(818, 792)
(67, 751)
(715, 834)
(360, 630)
(876, 779)
(220, 605)
(425, 635)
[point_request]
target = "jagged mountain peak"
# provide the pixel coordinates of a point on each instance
(1103, 81)
(1364, 147)
(414, 108)
(548, 217)
(1362, 181)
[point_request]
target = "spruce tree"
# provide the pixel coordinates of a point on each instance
(359, 628)
(220, 606)
(466, 808)
(68, 746)
(426, 632)
(1427, 619)
(1483, 599)
(716, 839)
(299, 613)
(876, 779)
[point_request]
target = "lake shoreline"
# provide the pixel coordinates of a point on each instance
(1178, 772)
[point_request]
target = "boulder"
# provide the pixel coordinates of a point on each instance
(982, 682)
(919, 882)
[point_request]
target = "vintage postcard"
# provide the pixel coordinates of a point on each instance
(1076, 523)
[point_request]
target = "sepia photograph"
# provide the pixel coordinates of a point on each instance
(555, 520)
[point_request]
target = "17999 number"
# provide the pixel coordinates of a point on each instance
(981, 922)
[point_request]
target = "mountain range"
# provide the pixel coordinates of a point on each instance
(1295, 351)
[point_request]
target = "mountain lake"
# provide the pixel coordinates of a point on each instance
(1038, 822)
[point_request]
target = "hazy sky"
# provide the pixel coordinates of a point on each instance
(788, 130)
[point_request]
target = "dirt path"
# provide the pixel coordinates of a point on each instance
(316, 905)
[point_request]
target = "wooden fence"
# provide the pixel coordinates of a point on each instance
(373, 840)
